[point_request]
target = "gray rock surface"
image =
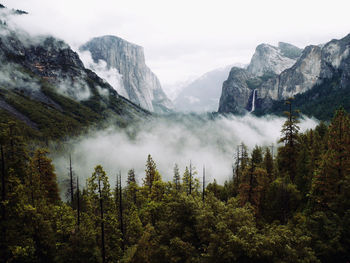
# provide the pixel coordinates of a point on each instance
(274, 76)
(140, 83)
(270, 59)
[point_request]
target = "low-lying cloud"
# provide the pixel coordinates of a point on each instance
(201, 140)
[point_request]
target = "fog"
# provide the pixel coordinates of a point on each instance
(184, 38)
(201, 140)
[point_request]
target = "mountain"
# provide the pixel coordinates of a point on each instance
(270, 59)
(325, 67)
(46, 88)
(138, 83)
(202, 94)
(266, 64)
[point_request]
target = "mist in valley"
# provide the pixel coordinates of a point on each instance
(199, 139)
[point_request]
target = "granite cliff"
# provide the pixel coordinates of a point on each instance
(138, 82)
(273, 79)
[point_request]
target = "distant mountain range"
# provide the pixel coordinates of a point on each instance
(202, 94)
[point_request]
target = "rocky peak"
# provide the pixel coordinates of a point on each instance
(316, 65)
(270, 59)
(140, 83)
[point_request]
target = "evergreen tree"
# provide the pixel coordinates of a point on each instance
(151, 170)
(176, 178)
(288, 153)
(43, 178)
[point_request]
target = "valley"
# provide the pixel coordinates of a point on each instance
(246, 163)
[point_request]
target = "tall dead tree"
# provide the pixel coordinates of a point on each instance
(190, 183)
(203, 193)
(121, 208)
(3, 184)
(71, 184)
(78, 203)
(102, 222)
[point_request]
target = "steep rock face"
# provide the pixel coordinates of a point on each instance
(140, 83)
(235, 91)
(317, 64)
(302, 75)
(270, 59)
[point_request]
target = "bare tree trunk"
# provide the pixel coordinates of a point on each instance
(102, 224)
(203, 193)
(3, 184)
(3, 240)
(71, 181)
(190, 178)
(121, 209)
(78, 202)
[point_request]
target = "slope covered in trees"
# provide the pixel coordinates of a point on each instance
(289, 207)
(320, 102)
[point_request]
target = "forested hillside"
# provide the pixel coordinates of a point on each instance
(289, 207)
(320, 102)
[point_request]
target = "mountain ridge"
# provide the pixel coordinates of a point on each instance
(316, 65)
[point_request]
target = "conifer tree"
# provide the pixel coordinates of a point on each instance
(268, 163)
(331, 177)
(176, 178)
(288, 153)
(99, 198)
(151, 170)
(132, 186)
(43, 178)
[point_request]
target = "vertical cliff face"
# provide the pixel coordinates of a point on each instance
(140, 84)
(261, 75)
(275, 74)
(235, 91)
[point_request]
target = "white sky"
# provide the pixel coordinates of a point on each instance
(183, 38)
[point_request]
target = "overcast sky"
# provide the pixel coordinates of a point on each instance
(186, 38)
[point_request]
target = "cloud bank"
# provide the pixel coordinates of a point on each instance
(201, 140)
(183, 38)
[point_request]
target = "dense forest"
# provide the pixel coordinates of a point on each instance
(289, 205)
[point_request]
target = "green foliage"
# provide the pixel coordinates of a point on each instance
(262, 216)
(320, 102)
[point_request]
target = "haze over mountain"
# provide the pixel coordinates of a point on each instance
(272, 76)
(202, 94)
(44, 84)
(135, 80)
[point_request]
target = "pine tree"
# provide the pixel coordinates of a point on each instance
(176, 178)
(99, 198)
(288, 153)
(331, 177)
(151, 170)
(43, 178)
(132, 186)
(268, 163)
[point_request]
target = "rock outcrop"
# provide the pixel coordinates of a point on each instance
(270, 59)
(274, 75)
(140, 83)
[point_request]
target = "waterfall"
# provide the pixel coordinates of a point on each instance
(253, 101)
